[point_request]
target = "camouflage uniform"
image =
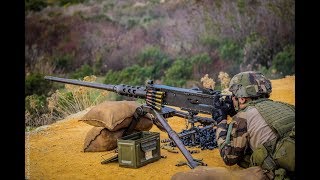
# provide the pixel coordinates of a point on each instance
(248, 131)
(257, 127)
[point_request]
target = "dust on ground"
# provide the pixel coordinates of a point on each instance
(55, 151)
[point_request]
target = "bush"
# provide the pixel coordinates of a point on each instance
(200, 65)
(241, 6)
(134, 75)
(35, 103)
(270, 73)
(36, 84)
(35, 5)
(97, 67)
(284, 61)
(82, 72)
(200, 59)
(178, 73)
(68, 2)
(210, 41)
(131, 22)
(257, 52)
(230, 50)
(156, 60)
(63, 62)
(36, 111)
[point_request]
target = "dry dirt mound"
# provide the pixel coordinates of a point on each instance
(55, 151)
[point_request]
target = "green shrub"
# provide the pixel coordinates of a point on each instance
(257, 51)
(151, 64)
(134, 75)
(97, 67)
(218, 3)
(270, 73)
(230, 50)
(284, 61)
(35, 5)
(200, 65)
(211, 41)
(67, 2)
(149, 55)
(35, 103)
(36, 84)
(155, 1)
(200, 59)
(63, 62)
(83, 71)
(178, 73)
(36, 111)
(153, 58)
(241, 6)
(131, 22)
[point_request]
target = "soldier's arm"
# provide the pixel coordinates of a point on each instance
(232, 140)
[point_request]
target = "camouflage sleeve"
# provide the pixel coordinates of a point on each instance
(233, 144)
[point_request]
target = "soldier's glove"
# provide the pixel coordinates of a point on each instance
(220, 110)
(228, 101)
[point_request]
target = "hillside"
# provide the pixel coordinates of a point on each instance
(111, 34)
(55, 151)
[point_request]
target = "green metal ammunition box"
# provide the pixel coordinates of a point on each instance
(138, 149)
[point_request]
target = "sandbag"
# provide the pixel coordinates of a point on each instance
(203, 172)
(101, 139)
(252, 173)
(145, 123)
(115, 115)
(221, 173)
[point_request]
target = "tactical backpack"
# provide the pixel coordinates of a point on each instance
(279, 153)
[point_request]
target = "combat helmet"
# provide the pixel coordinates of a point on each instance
(250, 84)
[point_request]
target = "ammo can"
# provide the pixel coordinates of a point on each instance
(138, 149)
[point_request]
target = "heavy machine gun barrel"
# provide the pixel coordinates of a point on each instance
(126, 90)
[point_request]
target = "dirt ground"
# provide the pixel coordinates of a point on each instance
(55, 151)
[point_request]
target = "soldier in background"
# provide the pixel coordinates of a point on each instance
(261, 133)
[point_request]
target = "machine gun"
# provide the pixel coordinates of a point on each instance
(158, 97)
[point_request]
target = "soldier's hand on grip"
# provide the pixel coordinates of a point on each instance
(220, 110)
(231, 111)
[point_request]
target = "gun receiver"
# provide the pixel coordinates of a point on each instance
(158, 97)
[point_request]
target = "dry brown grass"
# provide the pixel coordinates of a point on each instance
(224, 79)
(63, 103)
(208, 82)
(75, 99)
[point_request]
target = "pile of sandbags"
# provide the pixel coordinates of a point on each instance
(109, 120)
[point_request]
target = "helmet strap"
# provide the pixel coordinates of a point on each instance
(236, 108)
